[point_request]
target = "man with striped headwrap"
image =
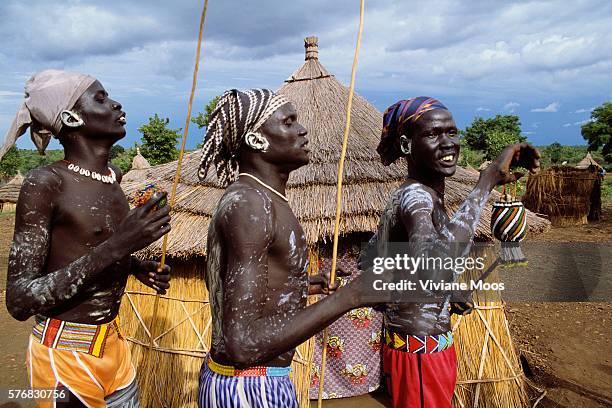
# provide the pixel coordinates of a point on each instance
(257, 263)
(419, 359)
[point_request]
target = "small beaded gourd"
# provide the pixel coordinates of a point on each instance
(509, 226)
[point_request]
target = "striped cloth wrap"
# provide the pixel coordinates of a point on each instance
(81, 337)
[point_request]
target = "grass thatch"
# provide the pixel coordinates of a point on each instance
(588, 162)
(566, 194)
(168, 377)
(138, 171)
(9, 193)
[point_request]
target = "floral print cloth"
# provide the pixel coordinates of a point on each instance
(353, 348)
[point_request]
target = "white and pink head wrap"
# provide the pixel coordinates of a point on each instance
(47, 94)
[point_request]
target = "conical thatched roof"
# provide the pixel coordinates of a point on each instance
(587, 162)
(10, 191)
(138, 171)
(320, 100)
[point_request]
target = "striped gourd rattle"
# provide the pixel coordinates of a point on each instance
(509, 225)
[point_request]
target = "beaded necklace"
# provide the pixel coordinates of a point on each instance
(110, 179)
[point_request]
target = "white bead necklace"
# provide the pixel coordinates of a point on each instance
(265, 185)
(110, 179)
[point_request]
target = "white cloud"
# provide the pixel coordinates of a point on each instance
(5, 95)
(561, 52)
(581, 122)
(551, 107)
(584, 110)
(511, 106)
(482, 109)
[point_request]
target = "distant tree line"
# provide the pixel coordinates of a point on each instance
(484, 139)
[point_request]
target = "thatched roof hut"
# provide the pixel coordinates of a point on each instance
(9, 193)
(568, 195)
(320, 100)
(138, 171)
(588, 162)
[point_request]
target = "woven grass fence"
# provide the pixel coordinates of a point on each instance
(565, 194)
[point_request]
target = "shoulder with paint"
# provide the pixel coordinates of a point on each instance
(246, 205)
(415, 197)
(44, 178)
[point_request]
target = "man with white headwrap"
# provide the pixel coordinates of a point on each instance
(71, 252)
(257, 255)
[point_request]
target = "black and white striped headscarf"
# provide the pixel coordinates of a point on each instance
(236, 114)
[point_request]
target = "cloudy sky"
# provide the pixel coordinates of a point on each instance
(549, 62)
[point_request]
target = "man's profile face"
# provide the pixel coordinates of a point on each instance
(102, 115)
(287, 138)
(435, 142)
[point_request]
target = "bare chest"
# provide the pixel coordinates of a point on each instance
(288, 259)
(89, 213)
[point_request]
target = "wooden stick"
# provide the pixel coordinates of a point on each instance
(347, 129)
(178, 167)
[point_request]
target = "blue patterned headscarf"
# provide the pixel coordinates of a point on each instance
(402, 115)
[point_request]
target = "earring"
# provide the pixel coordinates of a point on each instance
(71, 119)
(256, 141)
(405, 145)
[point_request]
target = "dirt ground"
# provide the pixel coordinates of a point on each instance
(565, 347)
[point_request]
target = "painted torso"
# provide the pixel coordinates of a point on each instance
(285, 285)
(86, 213)
(412, 317)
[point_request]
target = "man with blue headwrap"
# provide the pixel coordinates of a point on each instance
(419, 359)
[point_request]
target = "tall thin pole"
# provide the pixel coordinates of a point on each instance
(347, 129)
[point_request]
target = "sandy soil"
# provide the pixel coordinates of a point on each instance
(565, 347)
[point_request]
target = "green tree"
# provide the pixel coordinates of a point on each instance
(202, 119)
(115, 151)
(497, 141)
(124, 159)
(476, 135)
(469, 156)
(597, 132)
(158, 142)
(31, 159)
(10, 163)
(554, 151)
